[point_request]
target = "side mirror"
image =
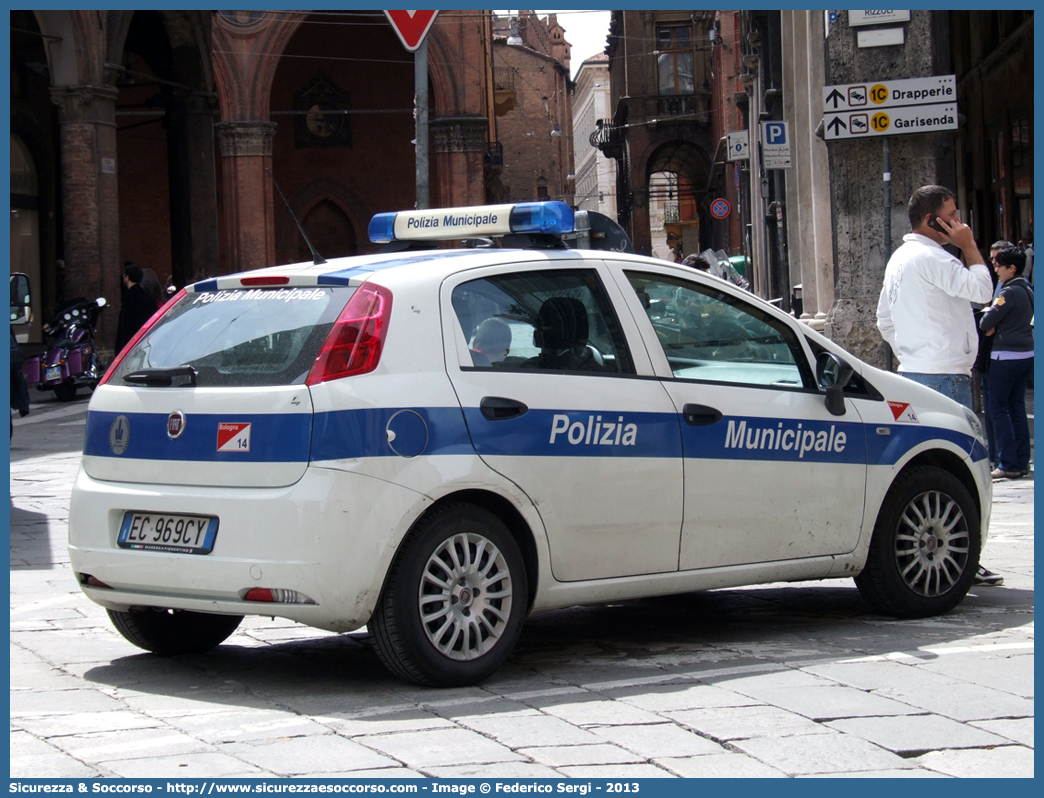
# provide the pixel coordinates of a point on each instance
(21, 299)
(833, 374)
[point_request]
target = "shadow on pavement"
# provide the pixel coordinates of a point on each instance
(745, 631)
(46, 430)
(30, 540)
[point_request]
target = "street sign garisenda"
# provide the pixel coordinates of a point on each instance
(411, 26)
(890, 121)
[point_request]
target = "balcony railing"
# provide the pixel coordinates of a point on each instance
(679, 105)
(504, 78)
(607, 137)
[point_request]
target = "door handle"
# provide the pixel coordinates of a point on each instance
(497, 408)
(700, 415)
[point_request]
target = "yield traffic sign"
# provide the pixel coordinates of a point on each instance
(411, 26)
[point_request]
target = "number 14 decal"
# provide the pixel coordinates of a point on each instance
(233, 436)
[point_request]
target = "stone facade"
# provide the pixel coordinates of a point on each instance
(595, 173)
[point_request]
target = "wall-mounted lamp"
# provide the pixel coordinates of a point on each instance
(556, 132)
(514, 39)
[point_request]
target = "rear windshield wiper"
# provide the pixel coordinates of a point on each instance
(161, 378)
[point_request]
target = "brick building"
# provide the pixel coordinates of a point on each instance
(149, 136)
(535, 116)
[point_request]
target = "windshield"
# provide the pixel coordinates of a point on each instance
(241, 337)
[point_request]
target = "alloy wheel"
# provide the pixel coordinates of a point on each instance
(465, 596)
(932, 544)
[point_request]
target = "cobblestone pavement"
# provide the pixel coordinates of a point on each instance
(781, 680)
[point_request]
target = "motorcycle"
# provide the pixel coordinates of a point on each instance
(71, 360)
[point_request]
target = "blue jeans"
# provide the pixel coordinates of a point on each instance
(956, 386)
(991, 438)
(1007, 409)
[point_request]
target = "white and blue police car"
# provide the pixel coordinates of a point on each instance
(435, 443)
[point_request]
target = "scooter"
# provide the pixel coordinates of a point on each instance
(71, 361)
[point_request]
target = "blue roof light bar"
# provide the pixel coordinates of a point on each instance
(437, 224)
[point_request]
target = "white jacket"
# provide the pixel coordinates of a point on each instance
(925, 313)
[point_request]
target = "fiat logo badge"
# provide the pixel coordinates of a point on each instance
(175, 425)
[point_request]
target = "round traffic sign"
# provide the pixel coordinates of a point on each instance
(720, 208)
(878, 93)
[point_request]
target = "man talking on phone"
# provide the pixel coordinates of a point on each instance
(925, 312)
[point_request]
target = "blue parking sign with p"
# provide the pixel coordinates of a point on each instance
(775, 133)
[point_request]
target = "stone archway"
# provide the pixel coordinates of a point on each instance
(675, 173)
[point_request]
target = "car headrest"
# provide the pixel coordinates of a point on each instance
(562, 322)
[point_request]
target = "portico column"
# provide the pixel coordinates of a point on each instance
(193, 188)
(246, 152)
(796, 102)
(90, 198)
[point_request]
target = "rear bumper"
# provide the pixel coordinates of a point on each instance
(331, 536)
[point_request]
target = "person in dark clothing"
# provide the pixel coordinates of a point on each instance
(136, 305)
(981, 368)
(19, 390)
(150, 282)
(1009, 320)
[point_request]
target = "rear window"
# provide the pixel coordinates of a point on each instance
(242, 337)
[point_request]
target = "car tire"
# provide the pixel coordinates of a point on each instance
(454, 600)
(172, 632)
(925, 547)
(65, 392)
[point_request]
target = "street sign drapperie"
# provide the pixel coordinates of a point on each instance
(885, 108)
(411, 26)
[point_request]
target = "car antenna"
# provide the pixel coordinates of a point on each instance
(316, 257)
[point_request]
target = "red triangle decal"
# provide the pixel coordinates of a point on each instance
(898, 408)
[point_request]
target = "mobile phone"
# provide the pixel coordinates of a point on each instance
(933, 222)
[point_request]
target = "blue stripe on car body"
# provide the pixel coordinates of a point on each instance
(354, 434)
(274, 437)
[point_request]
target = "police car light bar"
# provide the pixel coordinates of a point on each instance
(555, 218)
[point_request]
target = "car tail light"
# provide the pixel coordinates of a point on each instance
(139, 335)
(354, 344)
(254, 282)
(277, 595)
